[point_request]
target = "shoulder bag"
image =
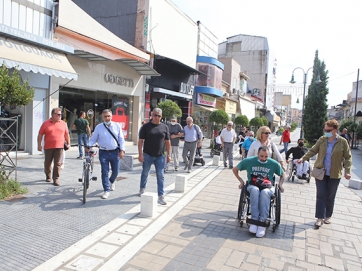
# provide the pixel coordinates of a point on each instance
(119, 148)
(318, 173)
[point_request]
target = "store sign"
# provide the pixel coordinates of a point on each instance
(17, 33)
(206, 100)
(113, 79)
(186, 89)
(230, 107)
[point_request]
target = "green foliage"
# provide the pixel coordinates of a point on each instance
(345, 124)
(219, 116)
(265, 121)
(315, 106)
(294, 126)
(359, 131)
(169, 109)
(12, 91)
(256, 122)
(9, 187)
(241, 120)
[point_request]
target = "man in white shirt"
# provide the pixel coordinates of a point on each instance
(228, 137)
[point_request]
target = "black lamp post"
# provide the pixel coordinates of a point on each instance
(304, 83)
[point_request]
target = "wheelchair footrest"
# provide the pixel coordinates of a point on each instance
(258, 223)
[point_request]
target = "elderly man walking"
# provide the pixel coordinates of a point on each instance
(228, 137)
(193, 139)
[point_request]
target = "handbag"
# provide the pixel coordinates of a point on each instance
(318, 173)
(66, 146)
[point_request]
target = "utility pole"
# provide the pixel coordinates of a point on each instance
(355, 112)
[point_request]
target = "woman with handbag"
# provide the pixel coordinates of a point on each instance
(331, 149)
(262, 139)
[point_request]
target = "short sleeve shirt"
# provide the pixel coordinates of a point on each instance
(154, 136)
(54, 134)
(81, 124)
(256, 168)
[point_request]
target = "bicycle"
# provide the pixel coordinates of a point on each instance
(87, 172)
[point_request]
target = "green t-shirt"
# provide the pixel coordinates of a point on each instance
(81, 125)
(254, 167)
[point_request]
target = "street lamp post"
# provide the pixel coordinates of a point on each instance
(304, 83)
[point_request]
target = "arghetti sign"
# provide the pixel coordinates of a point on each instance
(118, 80)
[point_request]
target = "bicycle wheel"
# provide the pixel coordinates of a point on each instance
(85, 183)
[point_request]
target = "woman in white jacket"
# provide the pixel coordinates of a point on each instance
(262, 136)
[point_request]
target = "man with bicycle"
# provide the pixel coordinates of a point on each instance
(109, 136)
(260, 171)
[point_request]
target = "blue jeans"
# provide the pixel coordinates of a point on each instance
(285, 147)
(106, 158)
(159, 163)
(82, 140)
(326, 193)
(260, 202)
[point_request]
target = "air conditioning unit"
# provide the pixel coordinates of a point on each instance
(226, 95)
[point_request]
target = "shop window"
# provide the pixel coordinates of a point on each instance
(211, 76)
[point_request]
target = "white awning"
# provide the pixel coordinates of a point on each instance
(38, 60)
(206, 108)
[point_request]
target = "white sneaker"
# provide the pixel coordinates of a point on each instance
(142, 190)
(161, 200)
(113, 186)
(105, 195)
(253, 228)
(260, 232)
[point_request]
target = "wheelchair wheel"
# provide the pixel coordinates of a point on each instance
(242, 205)
(212, 153)
(277, 205)
(309, 174)
(202, 162)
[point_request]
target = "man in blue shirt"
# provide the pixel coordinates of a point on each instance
(260, 170)
(193, 140)
(111, 149)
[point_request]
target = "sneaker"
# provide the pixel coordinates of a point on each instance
(113, 186)
(327, 220)
(48, 180)
(105, 195)
(176, 168)
(80, 157)
(189, 171)
(56, 183)
(299, 177)
(161, 200)
(230, 167)
(319, 222)
(253, 228)
(142, 190)
(260, 232)
(304, 176)
(186, 166)
(225, 165)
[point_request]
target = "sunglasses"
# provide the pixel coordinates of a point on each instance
(158, 116)
(267, 133)
(327, 131)
(57, 114)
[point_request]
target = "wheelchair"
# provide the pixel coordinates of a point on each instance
(292, 171)
(216, 150)
(274, 211)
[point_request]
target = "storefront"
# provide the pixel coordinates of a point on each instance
(203, 107)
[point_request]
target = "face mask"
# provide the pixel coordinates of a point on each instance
(301, 144)
(173, 122)
(251, 138)
(262, 162)
(329, 134)
(107, 123)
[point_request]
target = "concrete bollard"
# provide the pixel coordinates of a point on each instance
(216, 160)
(356, 184)
(148, 204)
(181, 183)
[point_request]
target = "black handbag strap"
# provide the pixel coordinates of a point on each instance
(112, 135)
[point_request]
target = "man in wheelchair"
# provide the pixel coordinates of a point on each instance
(260, 171)
(298, 153)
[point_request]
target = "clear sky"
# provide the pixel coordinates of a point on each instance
(295, 30)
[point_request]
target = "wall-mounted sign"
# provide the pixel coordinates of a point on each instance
(206, 100)
(186, 89)
(113, 79)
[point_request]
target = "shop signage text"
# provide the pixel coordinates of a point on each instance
(206, 100)
(113, 79)
(34, 38)
(186, 89)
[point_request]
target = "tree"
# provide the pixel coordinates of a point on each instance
(315, 110)
(241, 120)
(265, 121)
(256, 122)
(12, 90)
(169, 109)
(219, 116)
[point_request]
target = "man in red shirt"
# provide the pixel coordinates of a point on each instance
(55, 132)
(285, 139)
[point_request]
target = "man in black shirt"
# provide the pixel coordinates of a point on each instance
(346, 135)
(298, 153)
(154, 136)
